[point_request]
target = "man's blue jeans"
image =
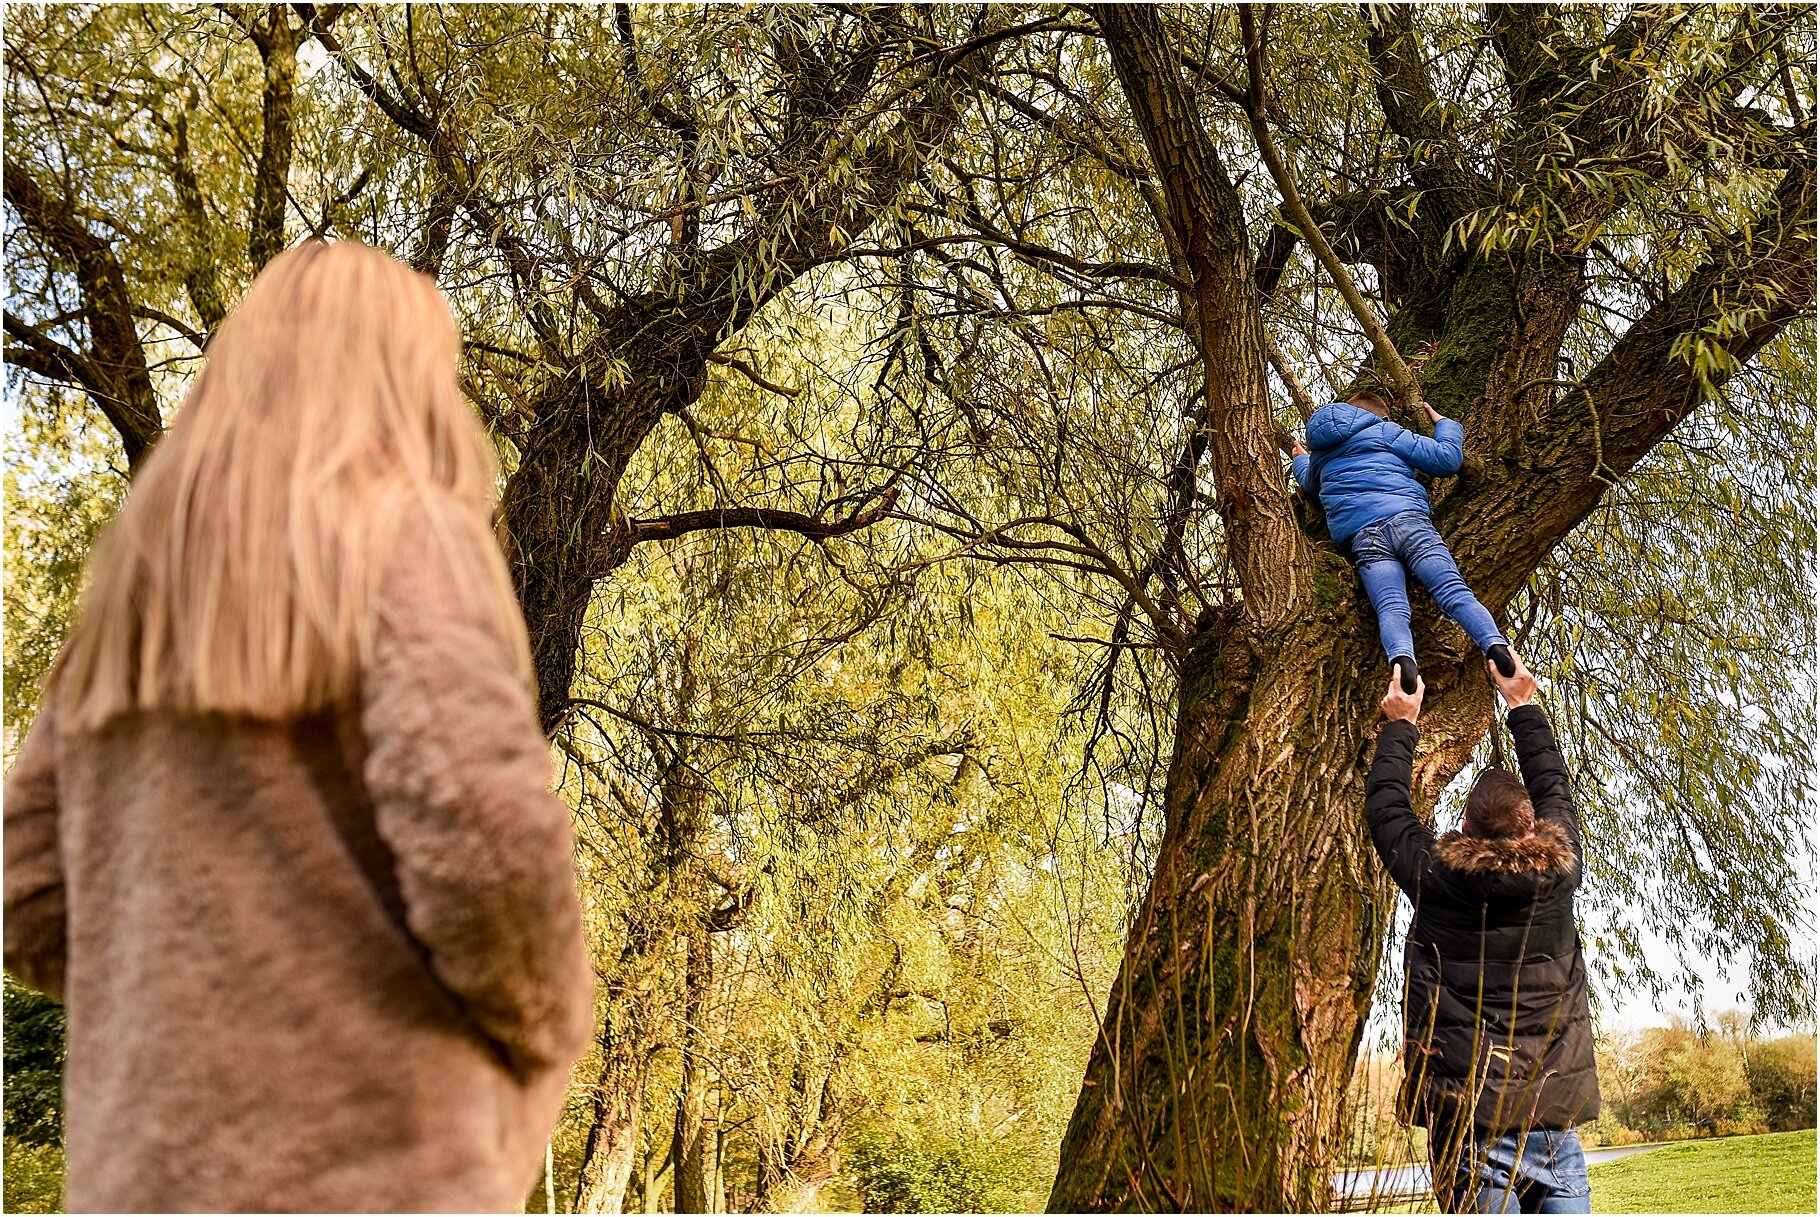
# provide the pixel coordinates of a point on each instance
(1384, 549)
(1536, 1172)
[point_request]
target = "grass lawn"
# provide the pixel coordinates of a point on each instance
(1770, 1174)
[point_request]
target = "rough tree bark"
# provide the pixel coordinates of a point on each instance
(628, 1040)
(792, 1169)
(694, 1145)
(277, 41)
(1229, 1033)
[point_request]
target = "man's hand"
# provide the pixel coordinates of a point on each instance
(1518, 690)
(1400, 705)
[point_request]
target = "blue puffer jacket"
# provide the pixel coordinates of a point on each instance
(1362, 465)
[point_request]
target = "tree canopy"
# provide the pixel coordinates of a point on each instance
(893, 403)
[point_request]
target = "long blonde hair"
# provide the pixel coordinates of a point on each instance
(240, 576)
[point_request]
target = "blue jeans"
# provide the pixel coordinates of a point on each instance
(1384, 549)
(1543, 1171)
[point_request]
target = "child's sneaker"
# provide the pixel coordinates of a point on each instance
(1406, 664)
(1505, 661)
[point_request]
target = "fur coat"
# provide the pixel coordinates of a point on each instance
(329, 964)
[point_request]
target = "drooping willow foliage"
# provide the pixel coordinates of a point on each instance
(870, 486)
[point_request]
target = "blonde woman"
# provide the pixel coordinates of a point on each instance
(281, 836)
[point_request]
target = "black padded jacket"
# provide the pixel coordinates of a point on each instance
(1495, 1020)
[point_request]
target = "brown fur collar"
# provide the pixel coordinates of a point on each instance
(1549, 849)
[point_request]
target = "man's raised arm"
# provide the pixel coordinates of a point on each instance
(1404, 843)
(1544, 771)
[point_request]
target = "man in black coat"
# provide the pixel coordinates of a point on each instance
(1498, 1056)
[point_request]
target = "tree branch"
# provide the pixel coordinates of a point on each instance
(45, 356)
(1205, 221)
(1298, 392)
(277, 41)
(1754, 283)
(1400, 373)
(200, 279)
(668, 528)
(750, 373)
(1410, 106)
(117, 379)
(407, 118)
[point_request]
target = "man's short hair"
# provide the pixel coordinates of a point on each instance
(1366, 399)
(1498, 806)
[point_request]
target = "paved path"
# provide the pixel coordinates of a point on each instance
(1391, 1182)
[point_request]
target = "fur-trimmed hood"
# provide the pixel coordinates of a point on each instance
(1545, 850)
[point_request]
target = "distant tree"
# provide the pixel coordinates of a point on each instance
(35, 1029)
(1781, 1075)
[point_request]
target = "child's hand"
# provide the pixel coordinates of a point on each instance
(1296, 449)
(1434, 415)
(1400, 705)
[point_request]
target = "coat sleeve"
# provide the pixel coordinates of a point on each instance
(1404, 843)
(459, 774)
(1307, 476)
(1440, 456)
(1544, 772)
(34, 902)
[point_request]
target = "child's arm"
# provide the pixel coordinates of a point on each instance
(1440, 456)
(1306, 475)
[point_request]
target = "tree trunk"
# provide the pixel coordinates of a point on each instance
(636, 993)
(654, 1177)
(693, 1147)
(1229, 1035)
(1226, 1048)
(717, 1182)
(612, 1145)
(112, 369)
(1228, 1043)
(277, 41)
(558, 507)
(792, 1168)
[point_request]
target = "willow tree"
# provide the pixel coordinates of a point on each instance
(608, 195)
(611, 195)
(1588, 234)
(824, 875)
(1584, 145)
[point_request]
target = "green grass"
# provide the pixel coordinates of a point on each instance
(1770, 1174)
